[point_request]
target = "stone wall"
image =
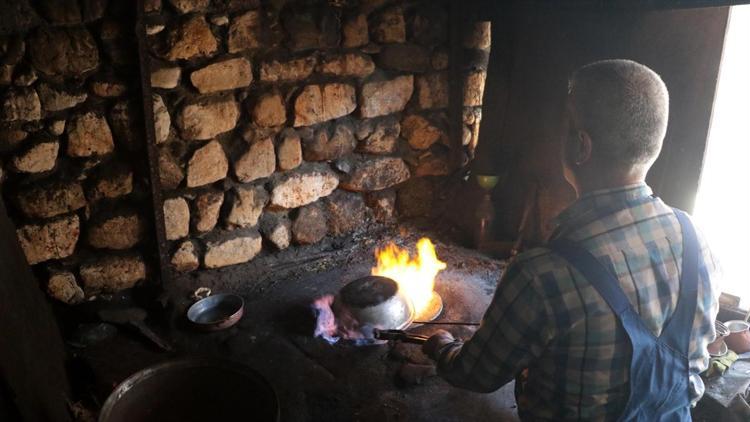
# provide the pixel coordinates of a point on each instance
(71, 144)
(280, 123)
(277, 124)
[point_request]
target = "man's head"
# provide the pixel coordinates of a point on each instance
(617, 117)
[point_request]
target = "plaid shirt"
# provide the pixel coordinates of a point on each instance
(546, 317)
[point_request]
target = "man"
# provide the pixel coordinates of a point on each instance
(581, 317)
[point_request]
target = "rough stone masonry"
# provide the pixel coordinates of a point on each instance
(277, 124)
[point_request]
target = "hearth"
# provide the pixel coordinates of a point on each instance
(317, 380)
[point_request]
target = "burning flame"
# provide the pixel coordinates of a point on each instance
(415, 277)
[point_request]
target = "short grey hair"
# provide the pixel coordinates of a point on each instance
(624, 107)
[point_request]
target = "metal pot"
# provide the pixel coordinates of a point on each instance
(739, 337)
(376, 302)
(718, 347)
(192, 390)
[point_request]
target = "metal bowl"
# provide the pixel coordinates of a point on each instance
(216, 312)
(376, 302)
(192, 390)
(739, 336)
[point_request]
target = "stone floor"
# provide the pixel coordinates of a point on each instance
(314, 380)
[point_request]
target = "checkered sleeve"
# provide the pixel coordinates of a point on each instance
(515, 330)
(707, 307)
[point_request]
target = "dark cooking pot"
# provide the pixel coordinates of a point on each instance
(192, 390)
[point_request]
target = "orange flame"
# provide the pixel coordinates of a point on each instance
(415, 277)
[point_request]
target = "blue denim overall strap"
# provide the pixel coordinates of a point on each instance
(659, 368)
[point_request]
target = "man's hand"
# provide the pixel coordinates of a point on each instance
(436, 342)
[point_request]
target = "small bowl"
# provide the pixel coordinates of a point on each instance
(722, 350)
(487, 182)
(216, 312)
(739, 337)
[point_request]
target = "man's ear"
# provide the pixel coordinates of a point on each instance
(583, 153)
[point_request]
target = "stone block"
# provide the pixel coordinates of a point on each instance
(188, 6)
(288, 71)
(269, 110)
(258, 162)
(62, 286)
(245, 32)
(176, 218)
(223, 75)
(208, 164)
(479, 36)
(55, 99)
(246, 206)
(63, 52)
(310, 225)
(115, 232)
(108, 88)
(36, 159)
(320, 103)
(474, 88)
(433, 163)
(379, 98)
(50, 199)
(390, 26)
(170, 172)
(165, 77)
(375, 173)
(162, 121)
(346, 212)
(303, 186)
(276, 227)
(113, 273)
(10, 139)
(53, 239)
(312, 27)
(89, 135)
(191, 39)
(207, 206)
(20, 105)
(347, 65)
(234, 251)
(383, 205)
(206, 119)
(126, 121)
(289, 152)
(383, 138)
(185, 258)
(420, 132)
(325, 146)
(432, 90)
(111, 184)
(355, 31)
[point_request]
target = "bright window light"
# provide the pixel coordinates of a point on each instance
(722, 207)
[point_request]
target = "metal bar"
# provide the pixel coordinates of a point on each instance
(152, 152)
(446, 323)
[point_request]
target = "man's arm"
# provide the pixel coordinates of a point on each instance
(515, 330)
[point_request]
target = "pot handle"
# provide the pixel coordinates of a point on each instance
(200, 293)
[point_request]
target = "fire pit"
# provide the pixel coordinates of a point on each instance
(400, 292)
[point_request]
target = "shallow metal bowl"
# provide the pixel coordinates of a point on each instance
(376, 302)
(216, 312)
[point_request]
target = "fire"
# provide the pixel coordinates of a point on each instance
(415, 277)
